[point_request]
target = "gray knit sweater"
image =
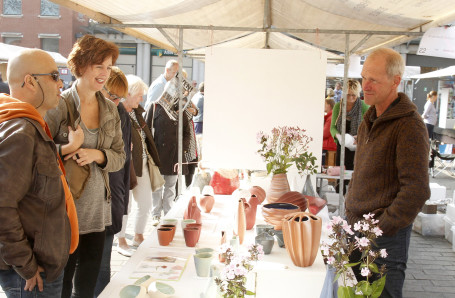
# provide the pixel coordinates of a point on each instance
(390, 176)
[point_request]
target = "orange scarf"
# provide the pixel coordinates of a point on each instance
(12, 108)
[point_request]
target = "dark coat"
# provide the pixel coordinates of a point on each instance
(119, 181)
(137, 142)
(166, 138)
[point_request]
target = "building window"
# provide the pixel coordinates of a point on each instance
(12, 7)
(50, 44)
(49, 9)
(15, 41)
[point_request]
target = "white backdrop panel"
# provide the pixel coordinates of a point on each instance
(249, 90)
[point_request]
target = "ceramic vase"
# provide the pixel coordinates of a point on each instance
(207, 202)
(240, 222)
(278, 187)
(302, 233)
(258, 192)
(191, 236)
(164, 236)
(296, 198)
(202, 262)
(273, 213)
(250, 211)
(193, 211)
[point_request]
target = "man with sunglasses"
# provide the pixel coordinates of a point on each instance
(38, 218)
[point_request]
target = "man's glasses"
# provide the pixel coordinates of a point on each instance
(111, 95)
(55, 76)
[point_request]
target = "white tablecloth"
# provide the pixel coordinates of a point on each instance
(276, 274)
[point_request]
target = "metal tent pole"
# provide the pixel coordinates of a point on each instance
(343, 125)
(180, 133)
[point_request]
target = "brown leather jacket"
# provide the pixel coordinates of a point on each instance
(34, 226)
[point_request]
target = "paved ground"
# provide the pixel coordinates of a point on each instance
(431, 264)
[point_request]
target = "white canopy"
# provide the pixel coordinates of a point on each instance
(7, 51)
(322, 23)
(449, 71)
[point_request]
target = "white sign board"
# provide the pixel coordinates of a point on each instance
(438, 42)
(252, 90)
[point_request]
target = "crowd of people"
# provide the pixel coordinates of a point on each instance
(72, 163)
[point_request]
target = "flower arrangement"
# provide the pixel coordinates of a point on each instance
(286, 146)
(338, 248)
(232, 281)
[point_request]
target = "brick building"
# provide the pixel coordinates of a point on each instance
(40, 24)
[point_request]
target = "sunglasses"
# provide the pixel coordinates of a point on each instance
(55, 76)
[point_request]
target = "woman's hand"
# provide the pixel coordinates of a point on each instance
(75, 137)
(84, 156)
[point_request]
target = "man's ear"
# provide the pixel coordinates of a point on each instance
(397, 80)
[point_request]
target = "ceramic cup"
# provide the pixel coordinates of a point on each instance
(164, 236)
(191, 236)
(169, 221)
(205, 250)
(170, 227)
(266, 241)
(184, 222)
(203, 261)
(196, 225)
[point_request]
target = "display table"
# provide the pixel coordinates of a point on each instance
(276, 274)
(321, 176)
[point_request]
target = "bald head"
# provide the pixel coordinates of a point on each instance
(28, 62)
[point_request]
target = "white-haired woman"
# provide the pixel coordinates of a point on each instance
(143, 145)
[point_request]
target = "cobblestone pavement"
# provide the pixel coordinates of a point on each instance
(431, 264)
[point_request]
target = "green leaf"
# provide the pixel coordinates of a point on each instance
(269, 168)
(346, 292)
(365, 287)
(373, 267)
(249, 293)
(352, 264)
(337, 276)
(378, 287)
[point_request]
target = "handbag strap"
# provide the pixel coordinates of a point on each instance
(153, 118)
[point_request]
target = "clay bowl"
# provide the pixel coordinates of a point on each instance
(294, 197)
(273, 213)
(315, 204)
(258, 192)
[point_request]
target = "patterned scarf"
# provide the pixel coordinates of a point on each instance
(355, 115)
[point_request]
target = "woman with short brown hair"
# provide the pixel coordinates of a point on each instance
(99, 145)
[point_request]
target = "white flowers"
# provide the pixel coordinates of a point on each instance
(362, 242)
(365, 271)
(383, 253)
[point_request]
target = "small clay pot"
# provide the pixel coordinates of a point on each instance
(191, 236)
(164, 236)
(258, 192)
(173, 227)
(315, 204)
(207, 202)
(196, 225)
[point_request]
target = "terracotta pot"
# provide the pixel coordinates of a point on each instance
(250, 211)
(296, 198)
(302, 233)
(197, 226)
(164, 236)
(193, 211)
(278, 187)
(173, 227)
(258, 192)
(273, 213)
(207, 202)
(240, 222)
(191, 236)
(315, 204)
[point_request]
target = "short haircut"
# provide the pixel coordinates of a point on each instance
(136, 85)
(394, 62)
(117, 83)
(90, 50)
(201, 87)
(330, 102)
(355, 87)
(171, 63)
(330, 92)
